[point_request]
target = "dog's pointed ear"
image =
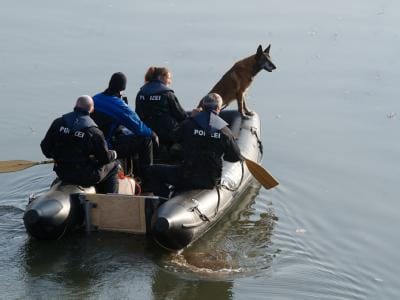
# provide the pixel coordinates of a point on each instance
(267, 49)
(259, 51)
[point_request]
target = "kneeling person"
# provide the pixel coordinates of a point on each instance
(79, 150)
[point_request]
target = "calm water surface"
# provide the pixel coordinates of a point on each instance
(330, 127)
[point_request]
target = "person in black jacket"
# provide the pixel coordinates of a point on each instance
(206, 141)
(79, 150)
(157, 105)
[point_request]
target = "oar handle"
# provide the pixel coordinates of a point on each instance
(43, 162)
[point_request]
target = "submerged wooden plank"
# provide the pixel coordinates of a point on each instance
(114, 212)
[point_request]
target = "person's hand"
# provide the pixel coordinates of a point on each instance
(155, 139)
(196, 111)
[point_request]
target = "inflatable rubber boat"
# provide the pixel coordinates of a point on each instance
(173, 223)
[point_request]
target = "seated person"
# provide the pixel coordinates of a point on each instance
(158, 107)
(113, 113)
(206, 140)
(79, 150)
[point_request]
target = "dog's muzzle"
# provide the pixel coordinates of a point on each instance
(269, 67)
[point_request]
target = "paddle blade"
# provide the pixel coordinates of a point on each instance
(262, 175)
(15, 165)
(18, 165)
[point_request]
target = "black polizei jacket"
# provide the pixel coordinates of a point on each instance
(207, 141)
(78, 148)
(157, 105)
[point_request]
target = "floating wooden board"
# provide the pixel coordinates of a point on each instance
(115, 212)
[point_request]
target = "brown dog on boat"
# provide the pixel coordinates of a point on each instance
(237, 80)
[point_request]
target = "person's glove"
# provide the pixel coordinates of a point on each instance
(113, 155)
(155, 139)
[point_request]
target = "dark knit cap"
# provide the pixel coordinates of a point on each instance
(117, 83)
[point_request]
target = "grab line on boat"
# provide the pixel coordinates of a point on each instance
(196, 209)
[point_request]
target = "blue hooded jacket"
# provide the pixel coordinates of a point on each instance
(121, 114)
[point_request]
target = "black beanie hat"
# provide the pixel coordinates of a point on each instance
(117, 83)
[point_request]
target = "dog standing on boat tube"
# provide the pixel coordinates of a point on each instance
(237, 80)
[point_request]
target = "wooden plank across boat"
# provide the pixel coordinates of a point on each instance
(173, 223)
(114, 212)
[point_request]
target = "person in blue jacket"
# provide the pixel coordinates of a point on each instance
(122, 127)
(158, 106)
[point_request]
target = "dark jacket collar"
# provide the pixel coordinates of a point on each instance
(209, 121)
(154, 87)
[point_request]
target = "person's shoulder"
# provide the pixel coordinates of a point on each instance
(58, 121)
(189, 120)
(170, 93)
(227, 131)
(107, 97)
(95, 131)
(111, 101)
(98, 96)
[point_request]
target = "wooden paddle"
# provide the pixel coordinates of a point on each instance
(18, 165)
(259, 173)
(262, 175)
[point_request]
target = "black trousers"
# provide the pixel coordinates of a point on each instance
(130, 146)
(161, 176)
(104, 178)
(108, 179)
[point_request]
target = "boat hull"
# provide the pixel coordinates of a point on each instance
(184, 218)
(56, 212)
(174, 224)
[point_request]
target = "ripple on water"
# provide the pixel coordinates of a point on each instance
(16, 187)
(10, 220)
(239, 245)
(305, 264)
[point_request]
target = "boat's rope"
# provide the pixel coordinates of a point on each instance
(196, 209)
(253, 130)
(220, 186)
(239, 184)
(219, 199)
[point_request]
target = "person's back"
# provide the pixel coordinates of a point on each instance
(157, 105)
(206, 142)
(79, 149)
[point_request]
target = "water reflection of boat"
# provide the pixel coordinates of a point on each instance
(241, 245)
(174, 224)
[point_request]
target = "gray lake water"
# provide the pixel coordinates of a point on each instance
(330, 127)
